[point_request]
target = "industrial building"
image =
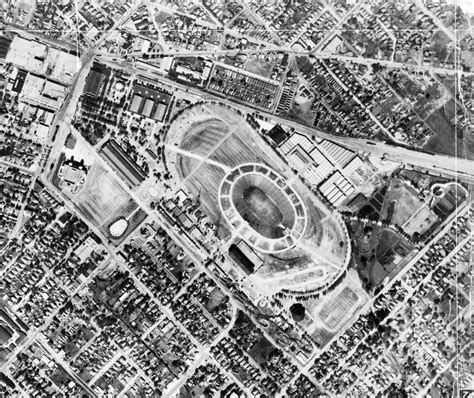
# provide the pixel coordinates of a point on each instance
(123, 164)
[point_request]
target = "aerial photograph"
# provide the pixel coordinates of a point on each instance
(236, 198)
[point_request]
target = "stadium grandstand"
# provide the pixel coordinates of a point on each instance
(262, 208)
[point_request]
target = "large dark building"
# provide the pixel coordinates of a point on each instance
(95, 78)
(277, 135)
(4, 46)
(245, 257)
(125, 166)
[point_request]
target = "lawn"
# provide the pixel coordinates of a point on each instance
(258, 66)
(216, 298)
(262, 350)
(406, 202)
(444, 138)
(422, 220)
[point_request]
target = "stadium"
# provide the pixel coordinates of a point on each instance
(262, 208)
(277, 233)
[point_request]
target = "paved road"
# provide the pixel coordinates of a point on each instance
(393, 64)
(442, 163)
(315, 54)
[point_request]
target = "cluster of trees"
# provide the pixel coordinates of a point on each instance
(312, 294)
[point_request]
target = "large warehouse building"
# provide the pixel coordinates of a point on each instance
(125, 166)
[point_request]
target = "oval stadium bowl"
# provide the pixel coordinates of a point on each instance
(262, 208)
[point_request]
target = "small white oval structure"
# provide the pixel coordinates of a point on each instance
(118, 228)
(119, 87)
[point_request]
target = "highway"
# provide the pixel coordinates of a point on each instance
(392, 64)
(456, 167)
(462, 168)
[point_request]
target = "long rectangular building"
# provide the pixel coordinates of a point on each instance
(125, 166)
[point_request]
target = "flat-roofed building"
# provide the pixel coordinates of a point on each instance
(93, 82)
(63, 65)
(136, 102)
(336, 188)
(28, 54)
(246, 258)
(160, 111)
(39, 58)
(149, 101)
(340, 155)
(353, 165)
(307, 158)
(39, 91)
(5, 43)
(72, 175)
(277, 135)
(298, 158)
(148, 107)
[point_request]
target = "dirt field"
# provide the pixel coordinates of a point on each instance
(204, 183)
(227, 141)
(102, 196)
(336, 310)
(239, 148)
(202, 136)
(263, 207)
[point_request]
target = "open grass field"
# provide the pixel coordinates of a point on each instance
(102, 196)
(444, 138)
(262, 350)
(379, 252)
(216, 298)
(406, 203)
(262, 206)
(421, 221)
(336, 310)
(387, 240)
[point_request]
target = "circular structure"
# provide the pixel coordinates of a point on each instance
(262, 208)
(118, 228)
(119, 86)
(297, 312)
(438, 190)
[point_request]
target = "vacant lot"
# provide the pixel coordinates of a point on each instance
(262, 350)
(421, 221)
(406, 202)
(102, 196)
(444, 138)
(203, 136)
(336, 310)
